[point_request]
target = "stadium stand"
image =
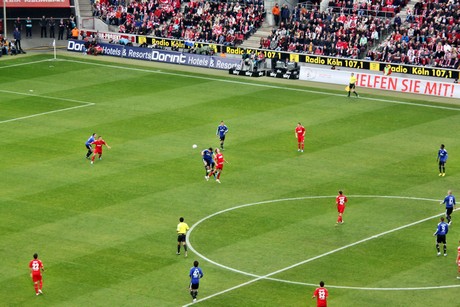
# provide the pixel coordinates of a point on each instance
(429, 36)
(228, 23)
(327, 33)
(383, 8)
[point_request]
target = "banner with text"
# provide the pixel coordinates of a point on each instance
(156, 55)
(440, 72)
(110, 36)
(36, 3)
(390, 83)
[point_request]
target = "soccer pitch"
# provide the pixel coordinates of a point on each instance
(265, 236)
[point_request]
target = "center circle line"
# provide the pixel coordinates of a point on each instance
(267, 276)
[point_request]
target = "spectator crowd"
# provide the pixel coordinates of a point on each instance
(429, 36)
(307, 30)
(222, 22)
(426, 35)
(384, 8)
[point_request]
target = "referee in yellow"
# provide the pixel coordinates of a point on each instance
(352, 85)
(182, 229)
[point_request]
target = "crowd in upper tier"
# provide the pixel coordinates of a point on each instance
(207, 21)
(307, 30)
(385, 8)
(428, 34)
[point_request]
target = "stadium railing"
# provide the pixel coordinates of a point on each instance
(274, 55)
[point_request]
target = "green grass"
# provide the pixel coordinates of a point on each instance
(106, 233)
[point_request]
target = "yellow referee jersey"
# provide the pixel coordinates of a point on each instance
(353, 80)
(182, 228)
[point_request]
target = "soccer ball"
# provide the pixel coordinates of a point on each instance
(194, 146)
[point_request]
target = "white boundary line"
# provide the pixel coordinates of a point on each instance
(267, 276)
(28, 63)
(86, 104)
(259, 85)
(83, 105)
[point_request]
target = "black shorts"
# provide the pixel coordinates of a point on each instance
(449, 211)
(181, 238)
(352, 86)
(441, 163)
(194, 286)
(89, 147)
(222, 138)
(441, 239)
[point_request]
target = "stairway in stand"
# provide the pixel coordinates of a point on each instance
(254, 40)
(85, 9)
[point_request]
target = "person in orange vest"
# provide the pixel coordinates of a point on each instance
(276, 14)
(75, 33)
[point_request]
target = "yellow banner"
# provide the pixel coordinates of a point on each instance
(142, 39)
(294, 57)
(374, 66)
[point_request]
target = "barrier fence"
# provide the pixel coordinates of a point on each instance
(438, 72)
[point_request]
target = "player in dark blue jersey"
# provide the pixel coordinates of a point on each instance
(442, 159)
(195, 275)
(91, 139)
(208, 161)
(440, 233)
(449, 201)
(221, 132)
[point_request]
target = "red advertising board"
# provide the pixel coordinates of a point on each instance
(36, 3)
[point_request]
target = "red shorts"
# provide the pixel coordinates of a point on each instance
(98, 152)
(36, 277)
(219, 166)
(340, 209)
(300, 139)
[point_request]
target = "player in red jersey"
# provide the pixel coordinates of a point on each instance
(219, 159)
(98, 148)
(458, 259)
(300, 135)
(321, 295)
(340, 200)
(36, 269)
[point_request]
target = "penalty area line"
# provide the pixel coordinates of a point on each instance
(28, 63)
(268, 276)
(83, 104)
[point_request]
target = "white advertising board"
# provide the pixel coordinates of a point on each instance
(381, 82)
